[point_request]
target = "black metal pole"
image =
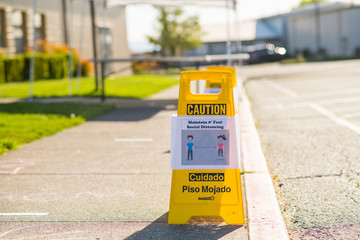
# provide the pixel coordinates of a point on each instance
(103, 81)
(93, 28)
(317, 30)
(64, 22)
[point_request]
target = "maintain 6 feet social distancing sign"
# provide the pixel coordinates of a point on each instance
(205, 154)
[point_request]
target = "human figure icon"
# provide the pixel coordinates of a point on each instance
(190, 147)
(220, 146)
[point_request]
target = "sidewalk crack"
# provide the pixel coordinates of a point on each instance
(316, 176)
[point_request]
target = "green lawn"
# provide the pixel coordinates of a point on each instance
(24, 122)
(138, 86)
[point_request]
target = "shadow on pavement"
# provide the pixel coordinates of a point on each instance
(126, 109)
(128, 115)
(138, 110)
(159, 229)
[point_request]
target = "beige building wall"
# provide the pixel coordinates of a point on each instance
(338, 31)
(109, 20)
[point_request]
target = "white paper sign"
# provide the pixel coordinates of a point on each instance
(204, 143)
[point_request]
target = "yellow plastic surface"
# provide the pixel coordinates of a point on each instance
(192, 194)
(225, 97)
(214, 84)
(206, 192)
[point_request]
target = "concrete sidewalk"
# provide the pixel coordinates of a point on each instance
(106, 179)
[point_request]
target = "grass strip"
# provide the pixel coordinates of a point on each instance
(22, 123)
(137, 86)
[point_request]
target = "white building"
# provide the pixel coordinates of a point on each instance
(250, 34)
(330, 29)
(327, 28)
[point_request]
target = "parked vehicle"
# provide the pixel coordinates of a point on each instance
(264, 53)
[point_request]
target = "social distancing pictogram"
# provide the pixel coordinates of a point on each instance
(205, 155)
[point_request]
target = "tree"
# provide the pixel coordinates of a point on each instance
(176, 35)
(305, 2)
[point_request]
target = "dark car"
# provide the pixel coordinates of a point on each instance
(265, 53)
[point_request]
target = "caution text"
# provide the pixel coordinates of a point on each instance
(206, 177)
(206, 109)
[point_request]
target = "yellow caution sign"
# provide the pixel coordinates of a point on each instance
(210, 104)
(206, 193)
(205, 154)
(213, 86)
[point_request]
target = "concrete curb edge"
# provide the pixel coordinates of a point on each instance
(265, 220)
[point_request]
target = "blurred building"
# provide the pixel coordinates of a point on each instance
(252, 35)
(328, 29)
(215, 37)
(65, 22)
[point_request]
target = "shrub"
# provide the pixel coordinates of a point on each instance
(14, 68)
(51, 48)
(307, 53)
(86, 67)
(58, 66)
(2, 70)
(357, 52)
(51, 63)
(41, 66)
(143, 67)
(46, 66)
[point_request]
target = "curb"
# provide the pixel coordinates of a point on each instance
(264, 217)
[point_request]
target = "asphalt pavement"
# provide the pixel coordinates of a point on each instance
(308, 119)
(108, 178)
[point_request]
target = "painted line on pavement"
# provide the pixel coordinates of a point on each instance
(23, 214)
(265, 220)
(340, 121)
(339, 100)
(331, 116)
(331, 92)
(283, 89)
(133, 139)
(17, 170)
(61, 235)
(12, 230)
(305, 104)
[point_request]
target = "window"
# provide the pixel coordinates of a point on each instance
(2, 29)
(218, 48)
(40, 26)
(19, 30)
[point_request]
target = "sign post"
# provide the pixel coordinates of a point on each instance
(204, 153)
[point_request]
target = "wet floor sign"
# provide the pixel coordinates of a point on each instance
(215, 85)
(204, 153)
